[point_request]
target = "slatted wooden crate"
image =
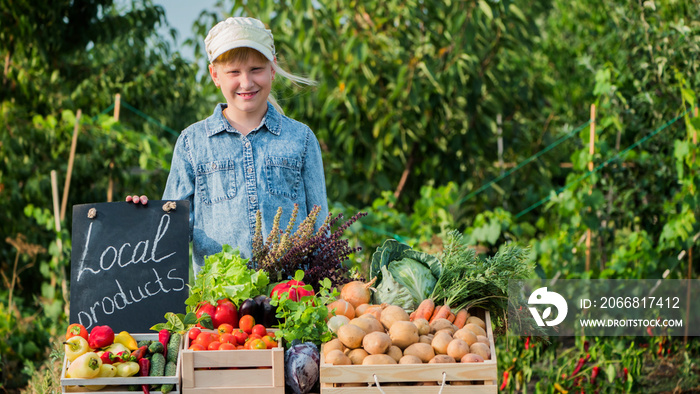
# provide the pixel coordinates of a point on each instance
(119, 385)
(467, 378)
(222, 371)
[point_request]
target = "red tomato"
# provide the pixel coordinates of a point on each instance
(269, 341)
(197, 347)
(214, 345)
(76, 330)
(259, 329)
(225, 328)
(246, 323)
(227, 346)
(194, 332)
(227, 338)
(203, 339)
(240, 336)
(257, 344)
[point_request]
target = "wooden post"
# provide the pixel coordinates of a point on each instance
(591, 151)
(71, 158)
(690, 249)
(110, 187)
(56, 211)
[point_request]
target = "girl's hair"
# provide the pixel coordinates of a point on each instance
(243, 54)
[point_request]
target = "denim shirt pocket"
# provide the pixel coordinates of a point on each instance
(216, 181)
(283, 176)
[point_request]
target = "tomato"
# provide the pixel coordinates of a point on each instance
(197, 347)
(227, 346)
(241, 336)
(246, 323)
(225, 328)
(259, 329)
(204, 339)
(227, 338)
(193, 333)
(257, 344)
(214, 345)
(269, 341)
(76, 330)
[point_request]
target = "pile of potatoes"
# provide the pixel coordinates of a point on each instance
(394, 339)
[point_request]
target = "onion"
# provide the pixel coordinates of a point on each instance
(341, 307)
(357, 293)
(336, 321)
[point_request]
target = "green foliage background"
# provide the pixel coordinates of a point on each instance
(407, 112)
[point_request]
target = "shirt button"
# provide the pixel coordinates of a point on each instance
(213, 166)
(250, 170)
(252, 198)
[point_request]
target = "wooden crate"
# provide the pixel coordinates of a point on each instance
(119, 385)
(469, 378)
(221, 371)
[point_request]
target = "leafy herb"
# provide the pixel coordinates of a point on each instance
(226, 275)
(321, 254)
(305, 320)
(179, 322)
(468, 281)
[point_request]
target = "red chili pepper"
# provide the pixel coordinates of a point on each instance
(107, 358)
(527, 343)
(144, 369)
(624, 374)
(661, 349)
(505, 380)
(163, 337)
(594, 374)
(140, 353)
(579, 365)
(586, 344)
(123, 357)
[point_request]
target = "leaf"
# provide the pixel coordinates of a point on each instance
(486, 9)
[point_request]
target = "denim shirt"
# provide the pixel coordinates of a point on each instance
(227, 177)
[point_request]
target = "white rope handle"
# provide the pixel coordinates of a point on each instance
(444, 378)
(377, 382)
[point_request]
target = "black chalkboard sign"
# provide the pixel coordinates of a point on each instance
(129, 264)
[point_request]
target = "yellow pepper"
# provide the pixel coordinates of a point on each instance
(129, 368)
(127, 340)
(106, 371)
(560, 388)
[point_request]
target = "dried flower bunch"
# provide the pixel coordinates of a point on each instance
(320, 254)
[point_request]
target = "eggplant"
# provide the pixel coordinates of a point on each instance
(248, 307)
(269, 314)
(259, 315)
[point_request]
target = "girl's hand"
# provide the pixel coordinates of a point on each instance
(136, 199)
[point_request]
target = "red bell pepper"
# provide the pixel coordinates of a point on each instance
(107, 358)
(209, 309)
(101, 336)
(226, 313)
(294, 288)
(123, 357)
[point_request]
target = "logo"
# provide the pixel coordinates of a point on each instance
(543, 297)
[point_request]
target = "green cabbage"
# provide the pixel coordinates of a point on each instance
(392, 292)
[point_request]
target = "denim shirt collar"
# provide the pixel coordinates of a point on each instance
(217, 123)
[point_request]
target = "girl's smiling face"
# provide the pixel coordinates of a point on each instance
(245, 80)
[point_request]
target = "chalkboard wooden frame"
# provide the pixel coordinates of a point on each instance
(129, 264)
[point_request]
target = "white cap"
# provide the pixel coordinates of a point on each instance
(239, 32)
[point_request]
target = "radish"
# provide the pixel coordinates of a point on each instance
(357, 293)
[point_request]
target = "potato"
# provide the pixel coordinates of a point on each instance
(392, 314)
(403, 334)
(483, 339)
(375, 359)
(425, 339)
(441, 324)
(442, 359)
(357, 355)
(423, 351)
(472, 358)
(466, 335)
(395, 352)
(448, 331)
(440, 343)
(410, 359)
(337, 357)
(475, 329)
(457, 349)
(368, 324)
(376, 342)
(333, 344)
(481, 349)
(351, 335)
(423, 326)
(477, 321)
